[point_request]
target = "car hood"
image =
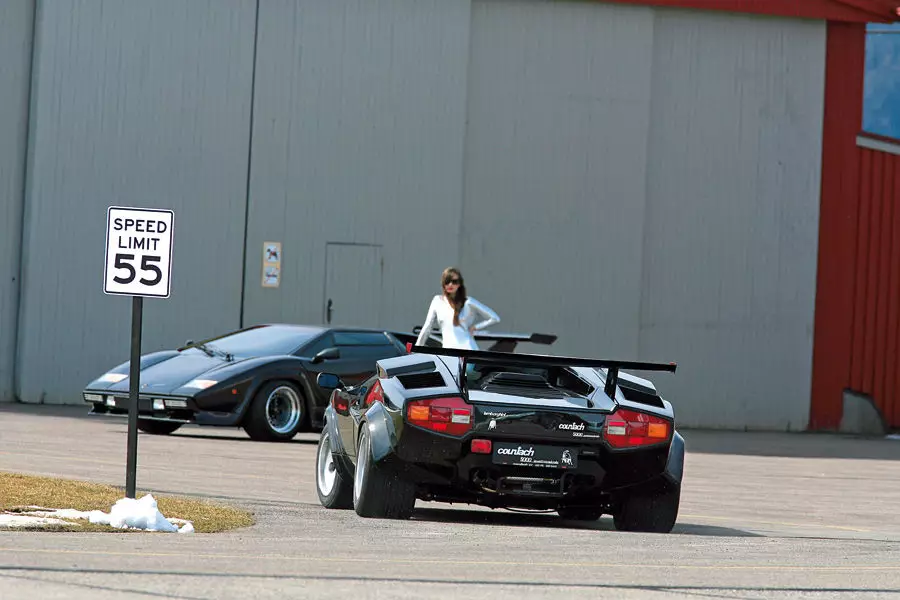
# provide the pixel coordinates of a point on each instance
(169, 375)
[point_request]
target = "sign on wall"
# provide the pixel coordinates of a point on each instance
(138, 252)
(271, 268)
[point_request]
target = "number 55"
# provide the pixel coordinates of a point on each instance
(123, 261)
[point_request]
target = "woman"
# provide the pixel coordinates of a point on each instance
(457, 315)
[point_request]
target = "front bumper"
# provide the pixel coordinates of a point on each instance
(158, 407)
(155, 407)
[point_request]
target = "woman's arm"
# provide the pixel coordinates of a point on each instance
(489, 317)
(430, 319)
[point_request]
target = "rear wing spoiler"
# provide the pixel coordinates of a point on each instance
(543, 360)
(503, 342)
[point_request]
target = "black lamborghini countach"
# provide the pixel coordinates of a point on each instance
(261, 378)
(502, 430)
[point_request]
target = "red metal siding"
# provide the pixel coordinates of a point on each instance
(838, 223)
(857, 323)
(857, 11)
(874, 365)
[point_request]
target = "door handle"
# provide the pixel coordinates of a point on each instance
(328, 311)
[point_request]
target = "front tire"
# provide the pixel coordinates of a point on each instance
(277, 412)
(157, 427)
(652, 512)
(376, 492)
(333, 485)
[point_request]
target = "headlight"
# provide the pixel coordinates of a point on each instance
(113, 377)
(201, 384)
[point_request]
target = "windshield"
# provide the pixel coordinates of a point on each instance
(259, 341)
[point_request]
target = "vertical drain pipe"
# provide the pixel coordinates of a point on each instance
(249, 171)
(20, 203)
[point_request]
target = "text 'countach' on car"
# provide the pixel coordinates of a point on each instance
(501, 430)
(261, 378)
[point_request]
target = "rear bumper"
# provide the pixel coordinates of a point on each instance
(444, 468)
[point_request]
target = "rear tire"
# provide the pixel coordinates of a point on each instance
(649, 512)
(333, 485)
(377, 493)
(157, 427)
(277, 412)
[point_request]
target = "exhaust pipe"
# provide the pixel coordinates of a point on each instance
(479, 477)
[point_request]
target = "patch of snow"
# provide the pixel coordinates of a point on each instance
(18, 520)
(893, 436)
(126, 513)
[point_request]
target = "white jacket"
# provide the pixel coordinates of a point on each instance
(473, 314)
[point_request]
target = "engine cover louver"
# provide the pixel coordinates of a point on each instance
(421, 380)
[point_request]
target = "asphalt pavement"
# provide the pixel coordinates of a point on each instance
(763, 515)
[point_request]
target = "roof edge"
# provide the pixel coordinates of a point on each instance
(851, 11)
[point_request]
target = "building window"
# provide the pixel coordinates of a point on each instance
(881, 104)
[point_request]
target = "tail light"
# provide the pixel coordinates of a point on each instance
(445, 415)
(630, 429)
(375, 394)
(339, 403)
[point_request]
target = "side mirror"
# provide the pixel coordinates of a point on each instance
(328, 381)
(326, 354)
(189, 343)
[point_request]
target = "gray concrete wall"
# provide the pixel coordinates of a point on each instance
(141, 104)
(358, 133)
(16, 18)
(645, 184)
(642, 182)
(556, 145)
(731, 230)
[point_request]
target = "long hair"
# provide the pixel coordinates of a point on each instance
(459, 300)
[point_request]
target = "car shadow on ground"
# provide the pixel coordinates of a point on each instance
(505, 518)
(241, 437)
(790, 445)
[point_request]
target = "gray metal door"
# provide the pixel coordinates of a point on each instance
(352, 285)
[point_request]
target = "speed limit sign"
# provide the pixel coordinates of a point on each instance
(138, 264)
(138, 252)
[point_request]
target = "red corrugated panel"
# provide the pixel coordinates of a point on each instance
(872, 233)
(860, 269)
(833, 339)
(891, 405)
(884, 280)
(889, 390)
(876, 317)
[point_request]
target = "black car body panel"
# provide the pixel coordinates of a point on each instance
(547, 429)
(203, 384)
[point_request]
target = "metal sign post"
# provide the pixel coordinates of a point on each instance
(138, 264)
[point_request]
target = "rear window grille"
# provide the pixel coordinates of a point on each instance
(421, 380)
(521, 384)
